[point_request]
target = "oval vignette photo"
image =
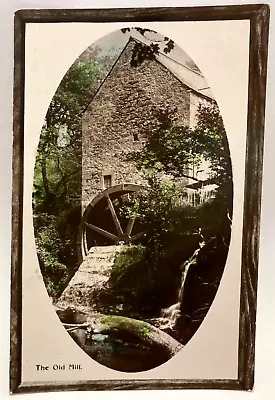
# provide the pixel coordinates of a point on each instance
(132, 199)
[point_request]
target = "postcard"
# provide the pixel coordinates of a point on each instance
(138, 147)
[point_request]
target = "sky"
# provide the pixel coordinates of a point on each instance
(116, 41)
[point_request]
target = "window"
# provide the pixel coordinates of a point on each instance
(107, 181)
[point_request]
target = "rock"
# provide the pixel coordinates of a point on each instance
(143, 333)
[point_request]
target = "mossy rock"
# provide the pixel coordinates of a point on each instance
(116, 323)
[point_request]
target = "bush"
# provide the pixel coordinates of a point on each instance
(142, 284)
(56, 237)
(147, 277)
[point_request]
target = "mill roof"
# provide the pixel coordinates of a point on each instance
(194, 80)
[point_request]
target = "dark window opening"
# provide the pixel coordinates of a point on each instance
(136, 137)
(107, 181)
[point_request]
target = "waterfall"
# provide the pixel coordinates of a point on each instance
(170, 315)
(191, 196)
(206, 193)
(199, 196)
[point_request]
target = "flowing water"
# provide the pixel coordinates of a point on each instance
(169, 315)
(108, 350)
(199, 196)
(122, 355)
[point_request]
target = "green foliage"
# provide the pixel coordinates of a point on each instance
(58, 161)
(212, 142)
(142, 52)
(49, 246)
(54, 237)
(57, 176)
(154, 270)
(154, 203)
(125, 272)
(175, 230)
(134, 279)
(170, 147)
(115, 323)
(71, 96)
(153, 209)
(167, 148)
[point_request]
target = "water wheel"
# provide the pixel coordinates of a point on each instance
(104, 223)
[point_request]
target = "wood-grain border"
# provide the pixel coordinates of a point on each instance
(258, 14)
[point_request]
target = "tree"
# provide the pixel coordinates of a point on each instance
(142, 52)
(57, 175)
(58, 162)
(59, 151)
(171, 147)
(176, 230)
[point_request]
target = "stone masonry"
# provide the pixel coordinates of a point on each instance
(90, 280)
(120, 116)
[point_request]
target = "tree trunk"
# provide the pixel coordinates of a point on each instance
(44, 176)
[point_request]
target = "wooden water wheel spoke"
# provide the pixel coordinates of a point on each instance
(138, 236)
(102, 232)
(114, 215)
(131, 222)
(130, 226)
(102, 223)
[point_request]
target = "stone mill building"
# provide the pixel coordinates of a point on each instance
(117, 121)
(121, 114)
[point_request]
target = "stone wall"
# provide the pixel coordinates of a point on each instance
(195, 100)
(120, 116)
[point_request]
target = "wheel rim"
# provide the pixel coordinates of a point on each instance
(103, 224)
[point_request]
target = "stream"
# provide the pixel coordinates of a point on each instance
(169, 315)
(120, 349)
(121, 355)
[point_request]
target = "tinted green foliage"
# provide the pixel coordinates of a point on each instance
(147, 278)
(171, 147)
(142, 52)
(57, 175)
(175, 229)
(58, 161)
(141, 286)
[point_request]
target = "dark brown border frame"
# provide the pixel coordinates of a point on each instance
(258, 14)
